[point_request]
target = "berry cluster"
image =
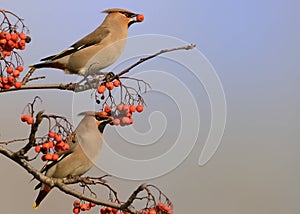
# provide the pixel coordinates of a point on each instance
(54, 143)
(78, 206)
(110, 210)
(108, 85)
(162, 208)
(10, 79)
(121, 113)
(12, 39)
(27, 118)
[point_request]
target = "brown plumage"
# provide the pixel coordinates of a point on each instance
(97, 50)
(85, 146)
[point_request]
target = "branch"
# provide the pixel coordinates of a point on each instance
(133, 196)
(61, 184)
(76, 87)
(187, 47)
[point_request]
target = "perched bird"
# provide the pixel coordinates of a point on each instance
(97, 50)
(85, 145)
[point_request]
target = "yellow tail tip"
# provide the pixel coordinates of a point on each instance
(35, 206)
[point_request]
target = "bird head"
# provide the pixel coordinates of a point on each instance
(100, 119)
(126, 15)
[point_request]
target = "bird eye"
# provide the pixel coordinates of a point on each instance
(128, 15)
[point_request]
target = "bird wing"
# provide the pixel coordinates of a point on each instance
(93, 38)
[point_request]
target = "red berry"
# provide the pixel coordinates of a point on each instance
(114, 210)
(37, 149)
(92, 204)
(107, 109)
(76, 210)
(139, 108)
(109, 85)
(103, 210)
(60, 144)
(45, 145)
(8, 36)
(7, 86)
(130, 120)
(152, 211)
(140, 17)
(22, 44)
(16, 73)
(101, 89)
(11, 79)
(125, 108)
(18, 84)
(120, 107)
(48, 156)
(4, 80)
(51, 134)
(51, 144)
(14, 37)
(85, 207)
(132, 108)
(20, 68)
(9, 70)
(30, 120)
(125, 120)
(57, 148)
(66, 147)
(25, 117)
(22, 36)
(55, 157)
(117, 83)
(3, 41)
(116, 121)
(58, 137)
(76, 203)
(103, 114)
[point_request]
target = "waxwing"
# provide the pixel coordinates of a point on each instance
(85, 146)
(97, 50)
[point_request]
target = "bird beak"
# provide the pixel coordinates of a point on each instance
(136, 18)
(108, 120)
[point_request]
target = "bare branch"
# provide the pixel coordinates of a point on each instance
(13, 141)
(61, 183)
(76, 87)
(187, 47)
(133, 196)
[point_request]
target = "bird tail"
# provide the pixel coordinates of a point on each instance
(42, 194)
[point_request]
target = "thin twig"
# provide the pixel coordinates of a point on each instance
(187, 47)
(76, 87)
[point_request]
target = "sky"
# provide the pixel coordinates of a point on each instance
(246, 50)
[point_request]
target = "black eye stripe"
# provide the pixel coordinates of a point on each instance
(99, 118)
(128, 15)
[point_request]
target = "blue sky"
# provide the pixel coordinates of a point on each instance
(253, 46)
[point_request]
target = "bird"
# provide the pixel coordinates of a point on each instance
(97, 50)
(85, 146)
